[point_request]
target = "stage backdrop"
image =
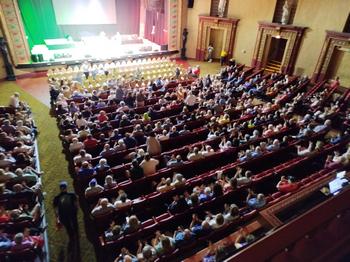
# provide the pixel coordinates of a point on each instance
(40, 21)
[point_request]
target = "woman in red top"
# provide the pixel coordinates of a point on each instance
(286, 186)
(102, 117)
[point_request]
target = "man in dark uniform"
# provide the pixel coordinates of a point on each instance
(66, 207)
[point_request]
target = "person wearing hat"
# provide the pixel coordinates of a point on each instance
(66, 208)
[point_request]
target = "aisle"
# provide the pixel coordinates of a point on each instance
(53, 163)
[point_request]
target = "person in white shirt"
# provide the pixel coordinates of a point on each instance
(20, 127)
(149, 165)
(93, 188)
(195, 155)
(76, 145)
(83, 156)
(122, 201)
(14, 100)
(103, 207)
(81, 121)
(207, 151)
(190, 100)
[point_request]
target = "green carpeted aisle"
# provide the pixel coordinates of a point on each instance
(55, 166)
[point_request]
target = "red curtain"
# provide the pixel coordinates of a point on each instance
(156, 26)
(128, 16)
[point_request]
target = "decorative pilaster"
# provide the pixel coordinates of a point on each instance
(174, 22)
(332, 41)
(12, 26)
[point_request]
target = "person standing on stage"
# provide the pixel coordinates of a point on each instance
(66, 209)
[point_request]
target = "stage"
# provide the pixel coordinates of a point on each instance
(93, 49)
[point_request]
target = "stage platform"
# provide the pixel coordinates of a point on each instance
(96, 60)
(94, 50)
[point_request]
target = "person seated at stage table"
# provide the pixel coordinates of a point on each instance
(93, 188)
(286, 185)
(255, 201)
(149, 165)
(102, 208)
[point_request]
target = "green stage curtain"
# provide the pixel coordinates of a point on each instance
(39, 21)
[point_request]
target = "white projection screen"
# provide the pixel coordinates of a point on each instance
(85, 12)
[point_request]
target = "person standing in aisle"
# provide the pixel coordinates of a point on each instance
(66, 209)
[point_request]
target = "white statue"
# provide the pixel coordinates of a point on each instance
(286, 13)
(221, 8)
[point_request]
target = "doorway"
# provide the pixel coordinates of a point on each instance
(217, 40)
(275, 54)
(339, 66)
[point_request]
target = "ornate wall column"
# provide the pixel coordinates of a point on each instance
(12, 26)
(293, 35)
(174, 24)
(332, 41)
(229, 26)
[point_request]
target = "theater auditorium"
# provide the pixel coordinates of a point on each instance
(174, 130)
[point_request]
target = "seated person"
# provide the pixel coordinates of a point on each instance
(216, 221)
(207, 151)
(109, 182)
(83, 156)
(175, 161)
(242, 179)
(149, 165)
(183, 237)
(194, 155)
(93, 188)
(103, 207)
(255, 200)
(286, 185)
(178, 180)
(243, 239)
(5, 242)
(19, 243)
(102, 165)
(86, 169)
(165, 185)
(178, 205)
(136, 171)
(132, 225)
(231, 213)
(163, 244)
(113, 232)
(146, 252)
(122, 200)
